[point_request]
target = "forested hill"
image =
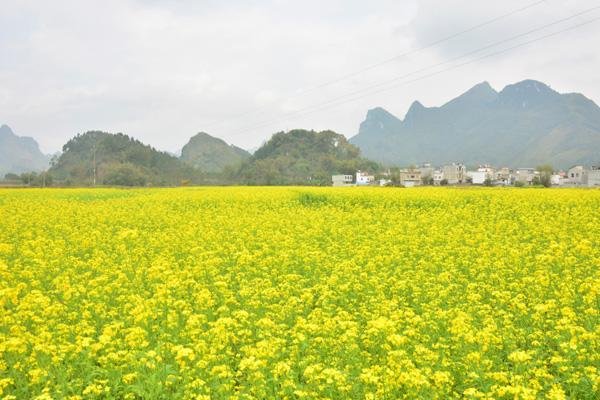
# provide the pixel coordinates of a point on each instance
(118, 160)
(302, 157)
(211, 154)
(523, 125)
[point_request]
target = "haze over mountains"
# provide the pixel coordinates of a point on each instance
(524, 125)
(19, 153)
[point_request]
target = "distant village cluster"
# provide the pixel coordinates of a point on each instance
(485, 175)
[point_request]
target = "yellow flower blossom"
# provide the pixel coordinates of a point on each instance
(245, 293)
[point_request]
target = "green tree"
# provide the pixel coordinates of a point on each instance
(124, 175)
(545, 178)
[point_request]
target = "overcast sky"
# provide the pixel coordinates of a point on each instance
(163, 70)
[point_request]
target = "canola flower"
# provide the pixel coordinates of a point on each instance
(298, 293)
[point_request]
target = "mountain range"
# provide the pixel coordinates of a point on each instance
(20, 153)
(523, 125)
(296, 157)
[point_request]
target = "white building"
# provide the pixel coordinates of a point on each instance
(438, 177)
(488, 169)
(477, 177)
(410, 177)
(503, 176)
(454, 173)
(593, 176)
(363, 178)
(342, 180)
(525, 175)
(577, 176)
(556, 180)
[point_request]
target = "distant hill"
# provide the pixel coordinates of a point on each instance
(118, 160)
(211, 154)
(524, 125)
(302, 157)
(20, 154)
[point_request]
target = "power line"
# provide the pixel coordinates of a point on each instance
(339, 100)
(389, 60)
(384, 62)
(457, 65)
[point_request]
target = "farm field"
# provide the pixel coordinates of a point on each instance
(300, 293)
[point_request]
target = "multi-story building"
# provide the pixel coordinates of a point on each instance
(525, 175)
(490, 172)
(438, 177)
(503, 176)
(410, 177)
(363, 178)
(593, 176)
(477, 177)
(454, 173)
(577, 176)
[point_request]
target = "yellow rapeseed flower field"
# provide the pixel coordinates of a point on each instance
(298, 293)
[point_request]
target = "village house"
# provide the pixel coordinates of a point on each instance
(342, 180)
(593, 176)
(490, 172)
(438, 177)
(454, 173)
(577, 176)
(477, 177)
(364, 179)
(503, 176)
(556, 180)
(410, 177)
(483, 173)
(525, 175)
